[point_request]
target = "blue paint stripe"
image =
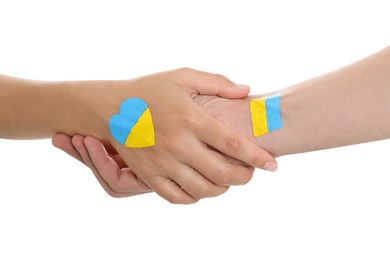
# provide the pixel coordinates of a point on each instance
(274, 119)
(121, 124)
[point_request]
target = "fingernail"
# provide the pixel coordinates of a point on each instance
(270, 166)
(242, 86)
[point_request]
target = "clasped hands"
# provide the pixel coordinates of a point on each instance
(203, 140)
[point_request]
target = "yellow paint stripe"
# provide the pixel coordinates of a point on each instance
(259, 118)
(142, 134)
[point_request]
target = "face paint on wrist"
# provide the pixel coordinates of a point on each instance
(265, 113)
(133, 126)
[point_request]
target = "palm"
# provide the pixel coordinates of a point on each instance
(117, 179)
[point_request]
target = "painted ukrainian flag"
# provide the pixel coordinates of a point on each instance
(265, 114)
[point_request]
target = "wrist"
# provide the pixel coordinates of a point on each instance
(271, 140)
(86, 106)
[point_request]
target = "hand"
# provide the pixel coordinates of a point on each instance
(184, 165)
(108, 167)
(236, 114)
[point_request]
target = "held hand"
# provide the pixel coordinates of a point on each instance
(115, 177)
(107, 166)
(185, 165)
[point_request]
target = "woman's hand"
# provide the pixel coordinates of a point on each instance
(110, 170)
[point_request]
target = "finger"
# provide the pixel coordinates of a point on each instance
(233, 144)
(216, 168)
(78, 143)
(170, 190)
(194, 183)
(64, 143)
(120, 180)
(206, 83)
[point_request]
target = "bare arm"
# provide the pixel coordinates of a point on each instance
(348, 106)
(35, 109)
(32, 109)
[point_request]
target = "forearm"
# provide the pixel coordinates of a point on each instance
(344, 107)
(39, 109)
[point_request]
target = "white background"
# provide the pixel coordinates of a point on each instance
(331, 204)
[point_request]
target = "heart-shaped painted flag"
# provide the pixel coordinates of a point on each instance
(133, 126)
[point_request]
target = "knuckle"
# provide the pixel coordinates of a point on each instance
(218, 192)
(168, 143)
(179, 198)
(217, 114)
(174, 199)
(173, 147)
(192, 122)
(224, 190)
(173, 196)
(232, 144)
(184, 70)
(201, 193)
(222, 177)
(246, 177)
(222, 80)
(254, 160)
(182, 73)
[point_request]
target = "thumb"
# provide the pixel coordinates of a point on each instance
(206, 83)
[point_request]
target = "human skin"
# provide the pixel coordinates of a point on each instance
(348, 106)
(38, 109)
